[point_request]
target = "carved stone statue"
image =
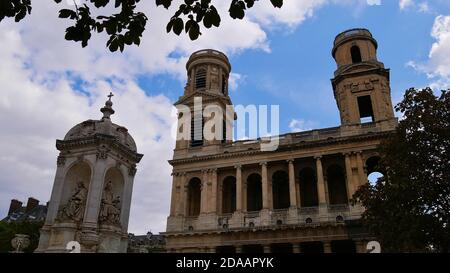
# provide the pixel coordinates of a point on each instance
(74, 208)
(20, 242)
(110, 206)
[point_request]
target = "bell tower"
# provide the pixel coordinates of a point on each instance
(361, 82)
(206, 95)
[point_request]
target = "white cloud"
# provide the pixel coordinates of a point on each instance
(291, 14)
(437, 67)
(300, 125)
(423, 7)
(49, 84)
(374, 2)
(405, 4)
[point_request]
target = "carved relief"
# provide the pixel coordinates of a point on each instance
(110, 206)
(74, 209)
(102, 152)
(61, 160)
(214, 82)
(361, 86)
(132, 171)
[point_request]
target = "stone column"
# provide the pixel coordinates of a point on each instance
(320, 181)
(182, 198)
(204, 192)
(239, 198)
(90, 237)
(127, 194)
(173, 199)
(213, 198)
(95, 193)
(292, 189)
(265, 186)
(244, 196)
(296, 248)
(327, 247)
(362, 175)
(349, 176)
(57, 190)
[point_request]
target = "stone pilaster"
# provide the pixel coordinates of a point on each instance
(213, 197)
(349, 176)
(265, 186)
(173, 198)
(292, 190)
(362, 175)
(239, 186)
(182, 195)
(321, 189)
(204, 192)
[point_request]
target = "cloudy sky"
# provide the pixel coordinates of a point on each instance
(282, 57)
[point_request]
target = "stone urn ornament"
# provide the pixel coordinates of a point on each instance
(20, 242)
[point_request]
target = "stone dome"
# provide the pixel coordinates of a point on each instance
(103, 126)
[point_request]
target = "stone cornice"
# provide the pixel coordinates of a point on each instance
(321, 225)
(289, 147)
(96, 140)
(346, 73)
(206, 96)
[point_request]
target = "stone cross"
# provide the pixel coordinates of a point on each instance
(110, 95)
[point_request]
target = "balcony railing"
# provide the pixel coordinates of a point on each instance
(309, 210)
(338, 208)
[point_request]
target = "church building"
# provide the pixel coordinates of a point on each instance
(234, 197)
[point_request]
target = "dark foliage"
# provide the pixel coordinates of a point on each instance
(9, 230)
(126, 26)
(409, 208)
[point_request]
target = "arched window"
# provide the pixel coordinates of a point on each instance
(254, 192)
(356, 54)
(337, 190)
(229, 195)
(280, 190)
(374, 170)
(200, 78)
(194, 197)
(308, 188)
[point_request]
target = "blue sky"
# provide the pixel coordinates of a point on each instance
(296, 73)
(279, 57)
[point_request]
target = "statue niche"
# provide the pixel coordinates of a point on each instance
(74, 208)
(110, 206)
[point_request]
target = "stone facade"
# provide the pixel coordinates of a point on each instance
(91, 196)
(233, 196)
